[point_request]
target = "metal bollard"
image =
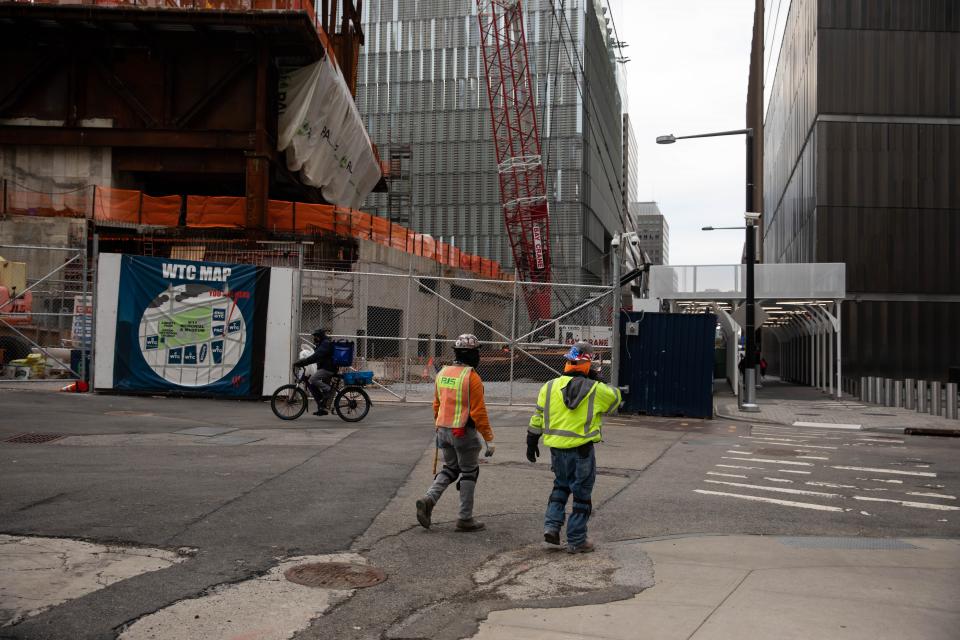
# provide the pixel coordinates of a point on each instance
(922, 396)
(887, 392)
(864, 394)
(935, 394)
(909, 394)
(897, 394)
(878, 390)
(952, 400)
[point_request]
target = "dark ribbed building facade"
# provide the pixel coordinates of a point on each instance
(861, 164)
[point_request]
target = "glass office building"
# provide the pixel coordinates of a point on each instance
(422, 92)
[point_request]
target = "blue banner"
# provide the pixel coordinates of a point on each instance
(190, 327)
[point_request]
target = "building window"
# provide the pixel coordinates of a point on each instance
(384, 326)
(439, 345)
(460, 293)
(423, 345)
(427, 285)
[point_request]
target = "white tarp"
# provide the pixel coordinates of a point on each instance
(323, 136)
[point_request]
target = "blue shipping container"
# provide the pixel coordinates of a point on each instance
(669, 364)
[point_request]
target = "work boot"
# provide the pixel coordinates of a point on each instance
(551, 536)
(320, 412)
(424, 509)
(469, 525)
(586, 546)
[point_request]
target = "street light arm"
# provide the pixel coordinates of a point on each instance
(737, 132)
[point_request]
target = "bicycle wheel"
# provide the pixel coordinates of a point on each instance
(352, 404)
(288, 402)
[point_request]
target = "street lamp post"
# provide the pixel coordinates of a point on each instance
(749, 367)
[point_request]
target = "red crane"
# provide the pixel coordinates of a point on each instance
(523, 191)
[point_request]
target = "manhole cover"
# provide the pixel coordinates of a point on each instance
(35, 438)
(335, 575)
(127, 412)
(783, 453)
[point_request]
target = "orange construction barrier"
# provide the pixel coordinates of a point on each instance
(160, 210)
(312, 217)
(280, 215)
(116, 205)
(216, 211)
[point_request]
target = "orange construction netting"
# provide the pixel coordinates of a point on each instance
(216, 211)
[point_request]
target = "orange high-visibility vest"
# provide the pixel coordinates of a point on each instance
(453, 390)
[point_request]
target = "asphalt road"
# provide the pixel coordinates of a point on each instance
(264, 490)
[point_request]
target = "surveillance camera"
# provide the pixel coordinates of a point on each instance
(634, 240)
(615, 242)
(751, 216)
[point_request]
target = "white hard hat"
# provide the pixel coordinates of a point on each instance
(466, 341)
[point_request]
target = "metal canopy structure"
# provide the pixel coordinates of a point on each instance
(801, 307)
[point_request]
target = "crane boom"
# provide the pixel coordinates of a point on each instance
(523, 193)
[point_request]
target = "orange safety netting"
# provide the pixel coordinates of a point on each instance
(216, 211)
(280, 215)
(161, 211)
(116, 205)
(75, 204)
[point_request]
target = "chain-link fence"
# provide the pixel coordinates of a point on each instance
(46, 311)
(404, 327)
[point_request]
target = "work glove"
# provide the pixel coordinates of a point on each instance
(490, 448)
(533, 451)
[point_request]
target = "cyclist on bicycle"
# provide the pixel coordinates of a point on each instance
(319, 382)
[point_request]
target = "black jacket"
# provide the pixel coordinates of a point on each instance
(322, 356)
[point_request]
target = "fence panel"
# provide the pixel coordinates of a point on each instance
(405, 326)
(46, 313)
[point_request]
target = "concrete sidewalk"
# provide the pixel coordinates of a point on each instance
(735, 587)
(783, 403)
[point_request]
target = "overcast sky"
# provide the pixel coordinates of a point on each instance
(687, 73)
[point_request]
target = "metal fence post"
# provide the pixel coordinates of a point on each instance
(615, 336)
(406, 333)
(513, 338)
(952, 400)
(85, 339)
(93, 309)
(909, 393)
(297, 320)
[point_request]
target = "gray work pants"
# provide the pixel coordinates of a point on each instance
(320, 388)
(460, 460)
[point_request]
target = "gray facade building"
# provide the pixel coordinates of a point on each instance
(421, 88)
(628, 180)
(861, 158)
(653, 231)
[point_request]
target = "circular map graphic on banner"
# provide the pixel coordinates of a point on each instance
(192, 334)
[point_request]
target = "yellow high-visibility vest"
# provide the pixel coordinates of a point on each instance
(565, 428)
(453, 390)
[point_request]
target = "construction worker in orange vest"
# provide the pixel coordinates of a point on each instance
(460, 414)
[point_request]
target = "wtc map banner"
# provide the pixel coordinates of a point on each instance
(190, 327)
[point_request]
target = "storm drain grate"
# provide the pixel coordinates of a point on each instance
(335, 575)
(825, 542)
(35, 438)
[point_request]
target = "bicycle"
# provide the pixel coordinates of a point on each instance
(349, 399)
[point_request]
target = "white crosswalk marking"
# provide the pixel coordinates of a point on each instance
(725, 475)
(779, 480)
(908, 503)
(797, 471)
(785, 503)
(799, 492)
(931, 495)
(925, 474)
(736, 466)
(789, 462)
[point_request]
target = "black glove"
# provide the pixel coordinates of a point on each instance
(533, 451)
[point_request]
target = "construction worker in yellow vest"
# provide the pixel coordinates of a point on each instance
(568, 415)
(460, 414)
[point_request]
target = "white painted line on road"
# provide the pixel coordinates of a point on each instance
(806, 473)
(925, 474)
(812, 458)
(931, 495)
(779, 480)
(915, 505)
(725, 475)
(832, 485)
(789, 462)
(798, 442)
(882, 480)
(743, 453)
(785, 503)
(799, 492)
(827, 425)
(880, 440)
(734, 466)
(813, 446)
